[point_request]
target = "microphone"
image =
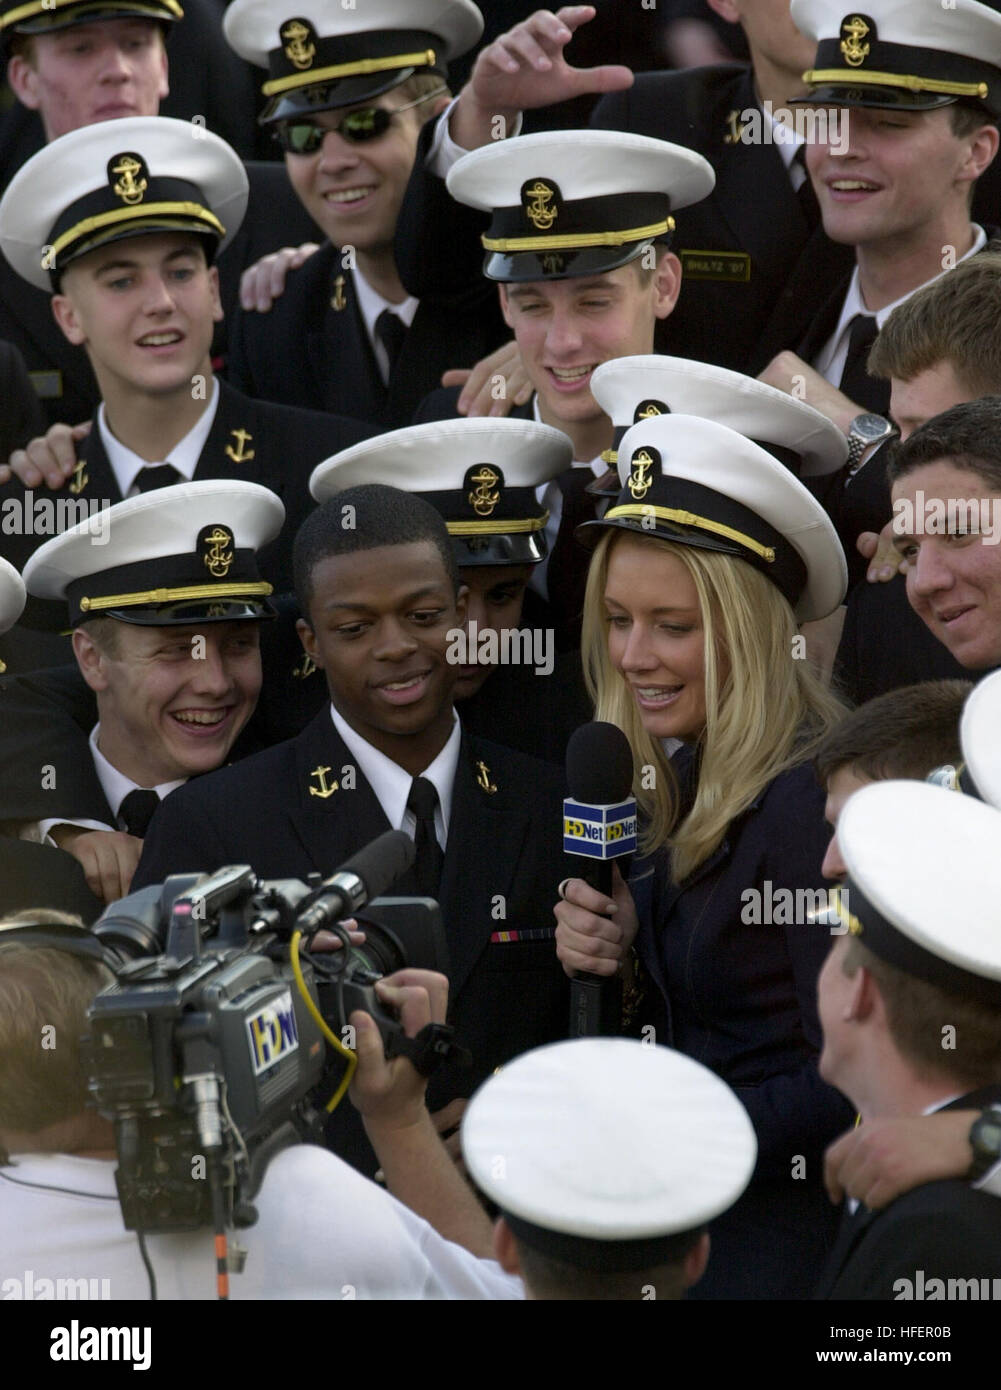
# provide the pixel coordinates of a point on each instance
(599, 825)
(365, 876)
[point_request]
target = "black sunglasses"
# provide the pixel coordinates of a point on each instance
(358, 126)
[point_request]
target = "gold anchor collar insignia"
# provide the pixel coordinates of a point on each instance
(734, 127)
(854, 29)
(297, 36)
(540, 201)
(640, 481)
(322, 790)
(483, 778)
(305, 668)
(127, 174)
(238, 450)
(485, 483)
(338, 300)
(216, 546)
(79, 478)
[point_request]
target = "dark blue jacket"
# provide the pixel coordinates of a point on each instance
(741, 998)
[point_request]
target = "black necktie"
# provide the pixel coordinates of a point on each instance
(808, 204)
(137, 811)
(566, 574)
(422, 801)
(157, 475)
(866, 391)
(391, 332)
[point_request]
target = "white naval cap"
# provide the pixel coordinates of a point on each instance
(12, 596)
(980, 737)
(923, 890)
(181, 554)
(321, 55)
(480, 474)
(630, 389)
(607, 1140)
(908, 54)
(114, 180)
(698, 483)
(576, 202)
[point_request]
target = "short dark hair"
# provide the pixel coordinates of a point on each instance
(903, 733)
(379, 516)
(917, 1014)
(953, 320)
(968, 436)
(549, 1278)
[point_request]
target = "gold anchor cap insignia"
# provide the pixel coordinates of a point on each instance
(79, 479)
(323, 791)
(238, 450)
(483, 778)
(297, 36)
(640, 481)
(215, 543)
(127, 176)
(486, 484)
(854, 28)
(540, 201)
(648, 410)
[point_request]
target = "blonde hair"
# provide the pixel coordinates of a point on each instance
(765, 710)
(44, 997)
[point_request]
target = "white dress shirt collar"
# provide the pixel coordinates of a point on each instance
(115, 785)
(185, 454)
(830, 361)
(391, 783)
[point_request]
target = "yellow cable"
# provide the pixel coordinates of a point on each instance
(350, 1057)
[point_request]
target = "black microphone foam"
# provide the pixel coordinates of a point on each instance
(382, 862)
(599, 764)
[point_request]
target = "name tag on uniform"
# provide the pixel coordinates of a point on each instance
(734, 266)
(48, 385)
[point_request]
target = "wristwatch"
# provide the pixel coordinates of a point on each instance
(865, 430)
(985, 1141)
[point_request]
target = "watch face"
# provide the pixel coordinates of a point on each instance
(871, 426)
(989, 1136)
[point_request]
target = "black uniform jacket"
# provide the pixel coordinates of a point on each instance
(740, 996)
(61, 373)
(311, 349)
(944, 1231)
(503, 864)
(21, 415)
(257, 441)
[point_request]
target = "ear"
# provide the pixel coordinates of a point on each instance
(505, 305)
(90, 659)
(308, 639)
(865, 1000)
(696, 1261)
(163, 86)
(461, 601)
(65, 315)
(667, 284)
(440, 104)
(506, 1247)
(23, 82)
(983, 148)
(217, 311)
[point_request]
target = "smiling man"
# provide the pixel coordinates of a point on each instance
(379, 590)
(122, 221)
(579, 245)
(348, 92)
(165, 600)
(946, 481)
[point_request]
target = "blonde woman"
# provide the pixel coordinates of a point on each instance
(703, 568)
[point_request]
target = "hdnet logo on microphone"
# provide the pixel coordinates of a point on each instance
(599, 832)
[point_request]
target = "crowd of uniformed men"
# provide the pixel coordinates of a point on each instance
(342, 487)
